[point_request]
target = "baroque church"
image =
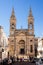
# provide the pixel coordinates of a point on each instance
(22, 42)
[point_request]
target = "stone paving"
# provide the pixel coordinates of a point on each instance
(23, 63)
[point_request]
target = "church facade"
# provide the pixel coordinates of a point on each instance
(22, 41)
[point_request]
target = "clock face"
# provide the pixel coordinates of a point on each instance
(12, 32)
(30, 32)
(30, 26)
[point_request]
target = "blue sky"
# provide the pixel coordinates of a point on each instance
(21, 8)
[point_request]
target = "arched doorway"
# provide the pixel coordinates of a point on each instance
(21, 47)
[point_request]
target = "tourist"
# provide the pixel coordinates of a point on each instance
(9, 61)
(17, 58)
(0, 61)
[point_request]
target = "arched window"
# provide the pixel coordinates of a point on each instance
(13, 25)
(31, 40)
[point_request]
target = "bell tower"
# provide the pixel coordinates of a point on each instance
(31, 23)
(12, 23)
(12, 33)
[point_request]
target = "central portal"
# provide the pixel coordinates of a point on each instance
(22, 51)
(21, 47)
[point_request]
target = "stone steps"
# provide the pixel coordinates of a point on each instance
(23, 63)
